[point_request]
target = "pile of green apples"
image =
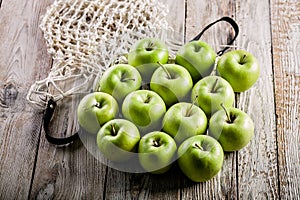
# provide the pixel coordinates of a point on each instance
(167, 111)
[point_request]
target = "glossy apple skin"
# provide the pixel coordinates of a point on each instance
(174, 89)
(157, 159)
(118, 140)
(145, 109)
(145, 54)
(233, 135)
(241, 72)
(197, 164)
(184, 120)
(119, 80)
(210, 100)
(198, 58)
(95, 109)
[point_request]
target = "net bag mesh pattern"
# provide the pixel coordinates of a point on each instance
(84, 37)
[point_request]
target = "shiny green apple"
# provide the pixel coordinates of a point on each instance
(172, 82)
(95, 109)
(157, 152)
(200, 158)
(145, 54)
(145, 109)
(184, 120)
(198, 58)
(210, 92)
(232, 127)
(119, 80)
(240, 68)
(118, 140)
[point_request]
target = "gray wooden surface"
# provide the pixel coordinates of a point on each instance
(268, 168)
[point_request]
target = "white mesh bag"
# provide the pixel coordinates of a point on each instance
(85, 37)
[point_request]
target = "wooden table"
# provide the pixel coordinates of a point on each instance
(268, 168)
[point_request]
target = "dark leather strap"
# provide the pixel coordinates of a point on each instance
(47, 119)
(226, 19)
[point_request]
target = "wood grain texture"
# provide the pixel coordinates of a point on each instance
(21, 62)
(199, 15)
(285, 23)
(268, 168)
(257, 163)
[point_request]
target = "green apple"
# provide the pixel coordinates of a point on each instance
(145, 109)
(200, 158)
(157, 152)
(172, 82)
(210, 92)
(95, 109)
(184, 120)
(145, 54)
(240, 68)
(119, 80)
(198, 58)
(118, 140)
(232, 127)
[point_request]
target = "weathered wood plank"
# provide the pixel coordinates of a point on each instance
(257, 162)
(200, 14)
(23, 58)
(122, 185)
(66, 172)
(285, 23)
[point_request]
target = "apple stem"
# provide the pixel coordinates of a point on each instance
(98, 105)
(123, 78)
(128, 79)
(148, 99)
(198, 146)
(227, 114)
(165, 69)
(214, 86)
(190, 108)
(150, 46)
(155, 143)
(114, 132)
(243, 59)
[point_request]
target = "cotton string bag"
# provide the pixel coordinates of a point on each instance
(85, 37)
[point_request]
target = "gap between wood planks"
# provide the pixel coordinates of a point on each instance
(35, 161)
(0, 3)
(185, 20)
(275, 103)
(105, 183)
(37, 149)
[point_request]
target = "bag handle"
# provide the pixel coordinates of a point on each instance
(47, 119)
(226, 19)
